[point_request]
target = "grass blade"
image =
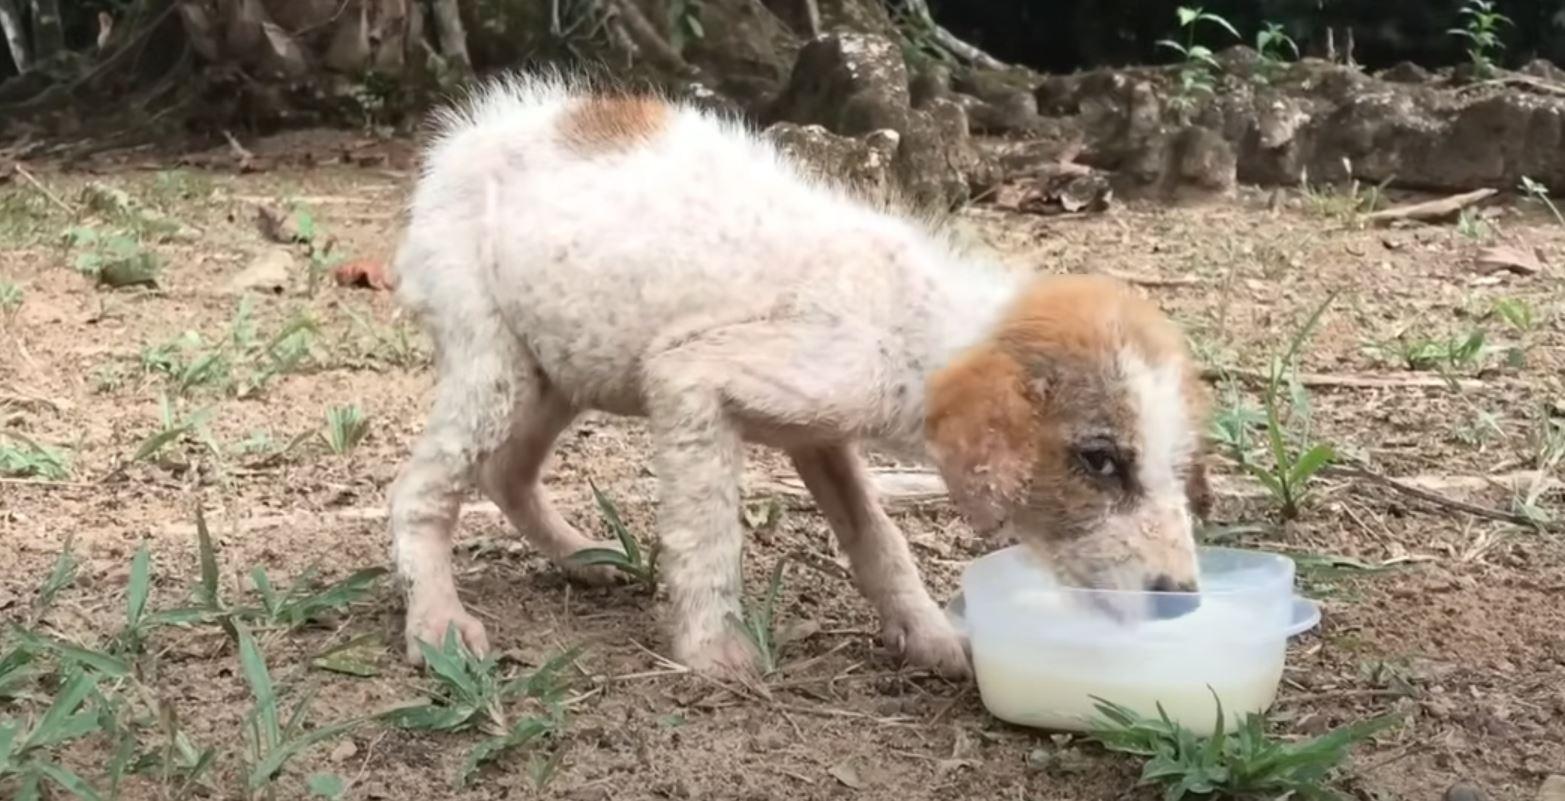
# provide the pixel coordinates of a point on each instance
(610, 514)
(270, 765)
(61, 575)
(207, 554)
(68, 781)
(103, 663)
(253, 665)
(140, 587)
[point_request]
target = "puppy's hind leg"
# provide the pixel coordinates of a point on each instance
(911, 623)
(512, 478)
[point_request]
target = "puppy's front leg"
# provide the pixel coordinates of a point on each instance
(699, 454)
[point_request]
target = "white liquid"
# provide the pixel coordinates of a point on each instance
(1047, 681)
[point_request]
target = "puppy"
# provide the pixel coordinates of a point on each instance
(571, 250)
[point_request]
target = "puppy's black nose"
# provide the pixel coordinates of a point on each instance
(1166, 607)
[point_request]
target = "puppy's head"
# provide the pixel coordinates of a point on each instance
(1076, 425)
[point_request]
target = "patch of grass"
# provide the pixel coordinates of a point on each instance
(469, 694)
(759, 624)
(320, 249)
(1537, 191)
(346, 427)
(1273, 44)
(305, 601)
(22, 457)
(174, 427)
(1292, 458)
(10, 300)
(1421, 352)
(1481, 21)
(1347, 204)
(1198, 67)
(397, 345)
(242, 363)
(1245, 763)
(1470, 225)
(628, 559)
(1549, 451)
(25, 216)
(113, 259)
(273, 740)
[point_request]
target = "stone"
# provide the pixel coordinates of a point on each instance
(267, 272)
(1553, 788)
(1462, 791)
(862, 163)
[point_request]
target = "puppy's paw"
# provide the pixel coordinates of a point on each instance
(927, 639)
(729, 657)
(430, 624)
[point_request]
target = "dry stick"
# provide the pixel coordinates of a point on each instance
(1348, 381)
(1430, 210)
(44, 190)
(1153, 281)
(1432, 497)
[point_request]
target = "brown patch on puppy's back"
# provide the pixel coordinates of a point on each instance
(611, 123)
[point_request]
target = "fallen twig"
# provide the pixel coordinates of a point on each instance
(1430, 210)
(1432, 497)
(1151, 280)
(1347, 380)
(43, 190)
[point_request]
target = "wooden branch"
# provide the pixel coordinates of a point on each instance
(43, 190)
(1349, 381)
(1431, 210)
(950, 41)
(1433, 497)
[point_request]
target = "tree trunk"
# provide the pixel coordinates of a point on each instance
(453, 38)
(48, 30)
(15, 35)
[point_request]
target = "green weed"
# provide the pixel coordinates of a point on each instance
(22, 457)
(759, 624)
(320, 249)
(1453, 353)
(1537, 191)
(1273, 44)
(628, 558)
(1481, 32)
(346, 427)
(113, 259)
(10, 300)
(305, 602)
(1471, 225)
(1246, 763)
(1198, 67)
(1293, 457)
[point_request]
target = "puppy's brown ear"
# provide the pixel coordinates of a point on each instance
(981, 427)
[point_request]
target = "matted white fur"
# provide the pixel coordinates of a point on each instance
(699, 279)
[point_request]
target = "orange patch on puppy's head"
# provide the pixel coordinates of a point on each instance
(611, 123)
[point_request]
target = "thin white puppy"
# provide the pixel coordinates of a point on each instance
(573, 250)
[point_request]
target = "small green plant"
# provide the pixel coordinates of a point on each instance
(1294, 457)
(469, 694)
(1537, 191)
(174, 427)
(1517, 315)
(759, 624)
(113, 259)
(302, 604)
(1549, 450)
(346, 427)
(628, 558)
(26, 751)
(21, 457)
(1453, 353)
(1481, 32)
(1273, 44)
(271, 740)
(1246, 763)
(1470, 225)
(1198, 69)
(10, 300)
(187, 361)
(320, 248)
(1346, 204)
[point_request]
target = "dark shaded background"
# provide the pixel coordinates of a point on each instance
(1061, 35)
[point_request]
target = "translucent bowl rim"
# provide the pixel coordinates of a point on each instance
(1285, 577)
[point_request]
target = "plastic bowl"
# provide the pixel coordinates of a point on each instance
(1042, 651)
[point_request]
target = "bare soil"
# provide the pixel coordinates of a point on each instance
(1459, 626)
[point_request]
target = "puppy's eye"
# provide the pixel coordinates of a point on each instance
(1098, 460)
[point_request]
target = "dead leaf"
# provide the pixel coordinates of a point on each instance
(344, 751)
(372, 273)
(1521, 261)
(847, 773)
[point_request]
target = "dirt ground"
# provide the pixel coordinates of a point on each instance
(1451, 618)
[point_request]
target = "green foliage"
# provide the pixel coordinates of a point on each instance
(1273, 44)
(10, 300)
(21, 457)
(241, 363)
(1197, 72)
(1246, 763)
(346, 427)
(470, 694)
(1480, 29)
(113, 259)
(1454, 352)
(684, 23)
(302, 603)
(759, 624)
(1291, 457)
(1537, 191)
(628, 558)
